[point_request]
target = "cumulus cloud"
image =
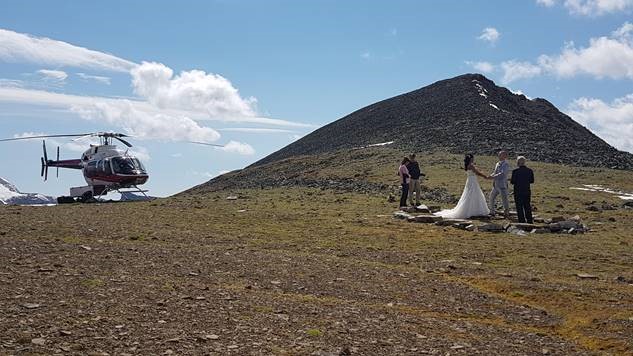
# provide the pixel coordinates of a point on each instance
(170, 105)
(483, 67)
(55, 75)
(238, 147)
(490, 35)
(597, 7)
(591, 8)
(514, 70)
(96, 78)
(612, 121)
(546, 3)
(605, 57)
(192, 90)
(146, 125)
(20, 47)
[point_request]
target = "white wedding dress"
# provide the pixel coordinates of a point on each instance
(472, 202)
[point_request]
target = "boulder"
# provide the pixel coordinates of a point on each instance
(427, 219)
(402, 215)
(491, 227)
(422, 209)
(471, 227)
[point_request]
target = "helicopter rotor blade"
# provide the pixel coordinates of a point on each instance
(204, 143)
(40, 136)
(122, 140)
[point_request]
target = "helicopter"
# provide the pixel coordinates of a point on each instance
(105, 167)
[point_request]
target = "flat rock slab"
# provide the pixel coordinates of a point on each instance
(451, 222)
(427, 219)
(491, 228)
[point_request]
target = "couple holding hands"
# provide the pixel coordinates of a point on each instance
(472, 201)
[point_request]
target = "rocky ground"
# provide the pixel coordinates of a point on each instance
(316, 271)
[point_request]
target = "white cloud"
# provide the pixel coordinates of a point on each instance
(514, 70)
(365, 55)
(96, 78)
(55, 75)
(11, 83)
(613, 121)
(490, 35)
(610, 57)
(144, 124)
(605, 57)
(597, 7)
(171, 105)
(591, 8)
(483, 67)
(254, 130)
(20, 47)
(238, 147)
(140, 152)
(176, 155)
(190, 90)
(546, 3)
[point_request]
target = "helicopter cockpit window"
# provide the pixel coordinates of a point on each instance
(127, 165)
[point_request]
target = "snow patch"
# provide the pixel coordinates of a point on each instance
(10, 195)
(493, 105)
(375, 145)
(380, 144)
(480, 89)
(598, 188)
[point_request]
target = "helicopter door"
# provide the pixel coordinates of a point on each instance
(107, 169)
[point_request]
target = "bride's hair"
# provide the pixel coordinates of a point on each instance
(467, 160)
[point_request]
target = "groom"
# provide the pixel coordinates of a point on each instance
(500, 185)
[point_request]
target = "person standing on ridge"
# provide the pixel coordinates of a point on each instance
(500, 185)
(521, 179)
(403, 172)
(414, 181)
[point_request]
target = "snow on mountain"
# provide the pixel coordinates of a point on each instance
(10, 195)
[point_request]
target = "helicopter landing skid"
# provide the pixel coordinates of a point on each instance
(94, 194)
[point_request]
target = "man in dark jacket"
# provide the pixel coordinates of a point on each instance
(414, 181)
(521, 179)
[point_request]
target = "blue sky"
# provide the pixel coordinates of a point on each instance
(260, 74)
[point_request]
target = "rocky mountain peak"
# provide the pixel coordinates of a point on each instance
(465, 114)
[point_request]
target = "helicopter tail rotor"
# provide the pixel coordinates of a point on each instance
(44, 159)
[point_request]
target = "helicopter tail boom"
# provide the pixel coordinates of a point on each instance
(64, 163)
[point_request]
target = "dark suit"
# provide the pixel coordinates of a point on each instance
(521, 179)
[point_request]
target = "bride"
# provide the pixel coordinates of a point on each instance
(472, 201)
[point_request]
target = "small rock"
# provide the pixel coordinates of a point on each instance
(65, 333)
(212, 337)
(87, 248)
(586, 276)
(38, 341)
(31, 305)
(231, 197)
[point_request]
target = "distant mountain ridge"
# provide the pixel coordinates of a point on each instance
(465, 114)
(10, 195)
